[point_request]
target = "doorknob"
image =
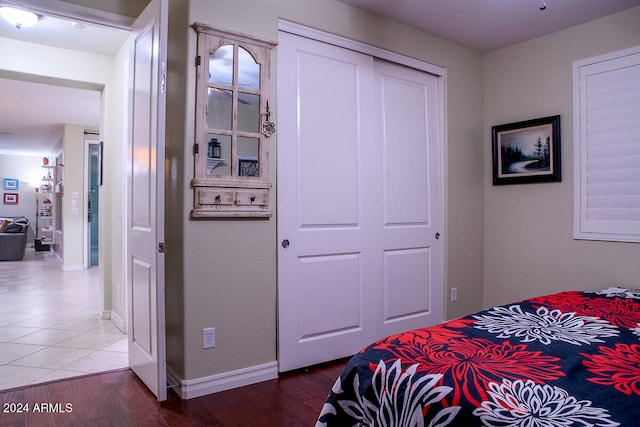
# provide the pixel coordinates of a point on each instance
(437, 236)
(285, 243)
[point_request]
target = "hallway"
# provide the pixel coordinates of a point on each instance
(49, 328)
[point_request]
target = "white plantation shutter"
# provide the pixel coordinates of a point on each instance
(607, 147)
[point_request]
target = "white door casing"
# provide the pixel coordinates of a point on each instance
(359, 201)
(145, 201)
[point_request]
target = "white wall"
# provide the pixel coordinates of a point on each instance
(73, 201)
(529, 246)
(28, 171)
(39, 60)
(112, 193)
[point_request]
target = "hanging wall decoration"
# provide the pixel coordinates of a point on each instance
(10, 198)
(528, 151)
(10, 184)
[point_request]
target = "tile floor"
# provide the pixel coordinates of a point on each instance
(49, 327)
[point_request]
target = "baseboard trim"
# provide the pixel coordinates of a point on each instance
(118, 321)
(189, 389)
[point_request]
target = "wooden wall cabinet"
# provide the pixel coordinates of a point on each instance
(232, 125)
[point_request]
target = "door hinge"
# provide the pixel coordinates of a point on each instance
(162, 248)
(196, 148)
(198, 60)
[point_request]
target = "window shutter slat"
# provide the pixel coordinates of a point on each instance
(607, 147)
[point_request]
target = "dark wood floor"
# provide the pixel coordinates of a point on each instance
(120, 399)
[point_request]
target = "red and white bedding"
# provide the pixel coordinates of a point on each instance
(568, 359)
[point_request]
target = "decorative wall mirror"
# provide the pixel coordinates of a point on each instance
(233, 125)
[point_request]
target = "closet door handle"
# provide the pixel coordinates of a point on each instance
(285, 243)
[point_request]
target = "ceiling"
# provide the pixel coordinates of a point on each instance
(486, 25)
(32, 111)
(32, 115)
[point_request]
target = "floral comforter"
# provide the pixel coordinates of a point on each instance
(569, 359)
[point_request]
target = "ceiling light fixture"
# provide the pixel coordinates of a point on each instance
(19, 18)
(542, 5)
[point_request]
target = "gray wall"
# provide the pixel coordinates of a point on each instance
(223, 273)
(529, 246)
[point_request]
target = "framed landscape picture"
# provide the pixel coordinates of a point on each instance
(528, 151)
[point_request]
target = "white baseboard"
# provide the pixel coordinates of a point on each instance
(118, 321)
(174, 381)
(72, 267)
(105, 315)
(189, 389)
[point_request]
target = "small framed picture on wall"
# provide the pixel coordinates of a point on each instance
(11, 198)
(10, 184)
(527, 152)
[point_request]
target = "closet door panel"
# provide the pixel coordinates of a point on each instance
(325, 264)
(408, 137)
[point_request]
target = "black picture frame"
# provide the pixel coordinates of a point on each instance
(527, 151)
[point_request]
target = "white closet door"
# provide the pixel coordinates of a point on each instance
(411, 249)
(323, 165)
(356, 219)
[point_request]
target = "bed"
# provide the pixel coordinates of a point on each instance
(568, 359)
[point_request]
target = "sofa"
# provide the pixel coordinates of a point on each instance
(13, 238)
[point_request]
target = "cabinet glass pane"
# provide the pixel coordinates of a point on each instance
(248, 71)
(248, 156)
(248, 112)
(218, 152)
(219, 112)
(221, 66)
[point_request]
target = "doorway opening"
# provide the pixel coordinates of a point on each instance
(138, 62)
(61, 314)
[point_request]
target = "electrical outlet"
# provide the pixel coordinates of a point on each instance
(454, 294)
(208, 337)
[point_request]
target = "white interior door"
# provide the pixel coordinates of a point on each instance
(145, 225)
(358, 201)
